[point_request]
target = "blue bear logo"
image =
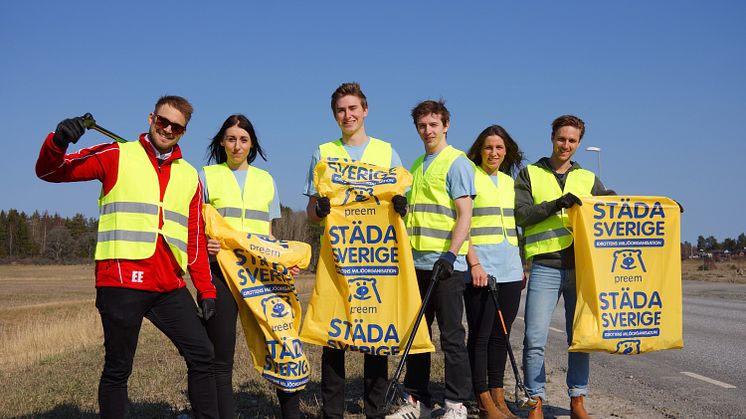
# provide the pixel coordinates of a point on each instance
(628, 347)
(277, 307)
(359, 194)
(628, 259)
(363, 289)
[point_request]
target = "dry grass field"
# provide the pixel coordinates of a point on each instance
(51, 352)
(51, 355)
(731, 270)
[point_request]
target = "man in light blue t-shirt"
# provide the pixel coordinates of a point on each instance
(350, 108)
(438, 224)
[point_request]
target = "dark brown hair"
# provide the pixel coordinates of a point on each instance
(513, 154)
(216, 152)
(568, 120)
(177, 102)
(428, 107)
(348, 89)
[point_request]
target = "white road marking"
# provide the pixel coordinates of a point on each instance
(708, 380)
(553, 329)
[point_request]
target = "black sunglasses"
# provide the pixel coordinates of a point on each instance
(162, 123)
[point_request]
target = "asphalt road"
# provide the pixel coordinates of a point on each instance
(705, 379)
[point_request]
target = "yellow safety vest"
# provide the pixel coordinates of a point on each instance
(493, 218)
(432, 213)
(247, 212)
(552, 234)
(376, 152)
(129, 213)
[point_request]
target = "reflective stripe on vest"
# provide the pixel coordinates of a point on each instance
(552, 233)
(493, 216)
(130, 212)
(376, 152)
(247, 212)
(432, 213)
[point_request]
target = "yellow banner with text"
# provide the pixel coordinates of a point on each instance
(256, 270)
(628, 267)
(366, 296)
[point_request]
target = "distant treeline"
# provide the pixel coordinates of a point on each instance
(45, 238)
(712, 245)
(50, 238)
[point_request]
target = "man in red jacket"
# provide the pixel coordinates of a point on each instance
(150, 232)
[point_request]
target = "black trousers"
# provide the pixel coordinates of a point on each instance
(486, 345)
(375, 383)
(221, 329)
(447, 305)
(173, 313)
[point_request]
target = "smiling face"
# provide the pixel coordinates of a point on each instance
(237, 144)
(493, 154)
(564, 144)
(432, 131)
(162, 129)
(350, 114)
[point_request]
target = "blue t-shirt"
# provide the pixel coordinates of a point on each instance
(355, 152)
(459, 183)
(503, 260)
(274, 206)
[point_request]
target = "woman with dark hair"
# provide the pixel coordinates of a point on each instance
(493, 251)
(246, 197)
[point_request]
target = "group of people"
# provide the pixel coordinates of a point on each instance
(461, 215)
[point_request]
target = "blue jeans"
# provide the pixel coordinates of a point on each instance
(545, 286)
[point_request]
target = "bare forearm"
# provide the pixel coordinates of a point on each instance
(460, 231)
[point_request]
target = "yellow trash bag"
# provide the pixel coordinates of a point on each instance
(366, 296)
(628, 267)
(255, 269)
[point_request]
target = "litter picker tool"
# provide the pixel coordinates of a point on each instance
(524, 401)
(90, 123)
(395, 390)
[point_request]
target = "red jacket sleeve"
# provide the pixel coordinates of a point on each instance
(199, 264)
(98, 162)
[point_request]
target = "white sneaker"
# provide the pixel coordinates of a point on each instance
(411, 409)
(458, 412)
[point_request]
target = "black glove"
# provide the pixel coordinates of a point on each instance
(568, 200)
(208, 308)
(323, 207)
(400, 204)
(607, 192)
(69, 131)
(444, 265)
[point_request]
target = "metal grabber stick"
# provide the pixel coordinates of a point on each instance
(90, 123)
(524, 401)
(395, 390)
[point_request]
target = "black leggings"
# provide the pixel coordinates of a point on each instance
(486, 344)
(222, 331)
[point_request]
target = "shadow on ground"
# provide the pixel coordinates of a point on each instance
(135, 410)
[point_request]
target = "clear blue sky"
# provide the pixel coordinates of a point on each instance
(661, 84)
